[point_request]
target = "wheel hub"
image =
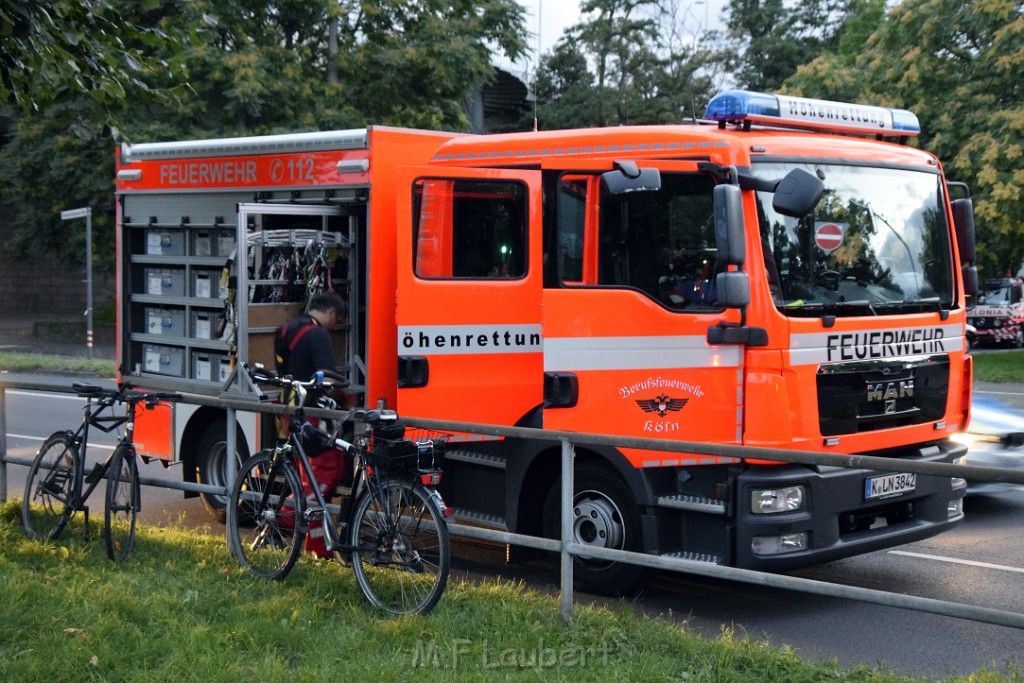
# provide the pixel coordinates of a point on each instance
(597, 522)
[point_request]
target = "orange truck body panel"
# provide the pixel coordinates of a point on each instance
(555, 345)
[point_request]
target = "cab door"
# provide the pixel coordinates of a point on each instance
(469, 294)
(627, 349)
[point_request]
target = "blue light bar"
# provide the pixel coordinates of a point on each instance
(739, 106)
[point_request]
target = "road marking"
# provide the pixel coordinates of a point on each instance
(25, 392)
(953, 560)
(41, 438)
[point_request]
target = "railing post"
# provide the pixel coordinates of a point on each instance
(230, 451)
(3, 444)
(567, 489)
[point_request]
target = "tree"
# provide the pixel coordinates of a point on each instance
(960, 68)
(53, 51)
(645, 67)
(772, 38)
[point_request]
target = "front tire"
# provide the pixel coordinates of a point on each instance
(266, 527)
(49, 502)
(604, 515)
(402, 554)
(123, 498)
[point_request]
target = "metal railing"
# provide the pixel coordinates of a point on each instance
(568, 548)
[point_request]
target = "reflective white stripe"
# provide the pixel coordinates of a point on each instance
(429, 340)
(636, 353)
(837, 347)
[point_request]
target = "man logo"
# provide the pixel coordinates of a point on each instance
(661, 404)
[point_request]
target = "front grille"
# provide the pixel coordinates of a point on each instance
(866, 396)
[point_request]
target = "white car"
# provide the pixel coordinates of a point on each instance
(995, 438)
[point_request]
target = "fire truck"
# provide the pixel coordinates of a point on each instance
(788, 273)
(998, 316)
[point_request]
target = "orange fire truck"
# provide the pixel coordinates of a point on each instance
(787, 274)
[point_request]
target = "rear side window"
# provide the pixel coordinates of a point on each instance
(469, 229)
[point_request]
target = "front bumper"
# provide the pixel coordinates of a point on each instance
(836, 519)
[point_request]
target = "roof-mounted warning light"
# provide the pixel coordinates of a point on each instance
(742, 107)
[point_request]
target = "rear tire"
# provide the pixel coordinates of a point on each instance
(266, 525)
(212, 465)
(49, 502)
(123, 498)
(402, 554)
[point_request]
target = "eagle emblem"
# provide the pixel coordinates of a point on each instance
(661, 404)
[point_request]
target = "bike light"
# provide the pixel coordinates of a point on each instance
(430, 478)
(779, 545)
(771, 501)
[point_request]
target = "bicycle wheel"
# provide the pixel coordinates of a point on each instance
(266, 528)
(50, 495)
(123, 497)
(402, 554)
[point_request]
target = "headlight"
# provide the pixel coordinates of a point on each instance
(770, 501)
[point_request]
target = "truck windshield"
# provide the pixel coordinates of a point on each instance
(1000, 293)
(877, 244)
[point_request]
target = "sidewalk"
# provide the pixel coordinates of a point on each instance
(57, 337)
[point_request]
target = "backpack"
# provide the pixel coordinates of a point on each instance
(285, 340)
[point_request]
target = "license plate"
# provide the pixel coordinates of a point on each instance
(888, 485)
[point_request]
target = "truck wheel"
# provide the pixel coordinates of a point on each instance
(210, 463)
(605, 515)
(1018, 338)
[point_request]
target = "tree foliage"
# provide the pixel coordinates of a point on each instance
(960, 68)
(627, 62)
(67, 49)
(253, 66)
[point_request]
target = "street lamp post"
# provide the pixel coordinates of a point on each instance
(86, 213)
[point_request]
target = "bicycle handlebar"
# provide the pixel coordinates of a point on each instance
(322, 379)
(123, 394)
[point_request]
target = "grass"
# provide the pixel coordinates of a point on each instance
(39, 362)
(999, 367)
(180, 609)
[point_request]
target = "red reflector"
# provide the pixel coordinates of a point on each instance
(430, 479)
(448, 512)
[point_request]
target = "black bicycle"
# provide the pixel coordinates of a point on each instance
(57, 486)
(390, 524)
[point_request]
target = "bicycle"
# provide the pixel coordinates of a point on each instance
(54, 487)
(396, 536)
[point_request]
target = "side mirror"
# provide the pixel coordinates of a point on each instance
(733, 289)
(798, 193)
(963, 223)
(729, 232)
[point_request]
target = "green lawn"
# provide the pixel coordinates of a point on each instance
(180, 609)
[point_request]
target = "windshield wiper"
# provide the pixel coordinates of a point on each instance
(813, 308)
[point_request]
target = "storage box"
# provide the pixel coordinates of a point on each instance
(204, 324)
(205, 284)
(165, 241)
(202, 243)
(164, 360)
(165, 321)
(223, 241)
(165, 281)
(208, 366)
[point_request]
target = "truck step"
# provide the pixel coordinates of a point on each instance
(694, 557)
(483, 519)
(692, 503)
(482, 459)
